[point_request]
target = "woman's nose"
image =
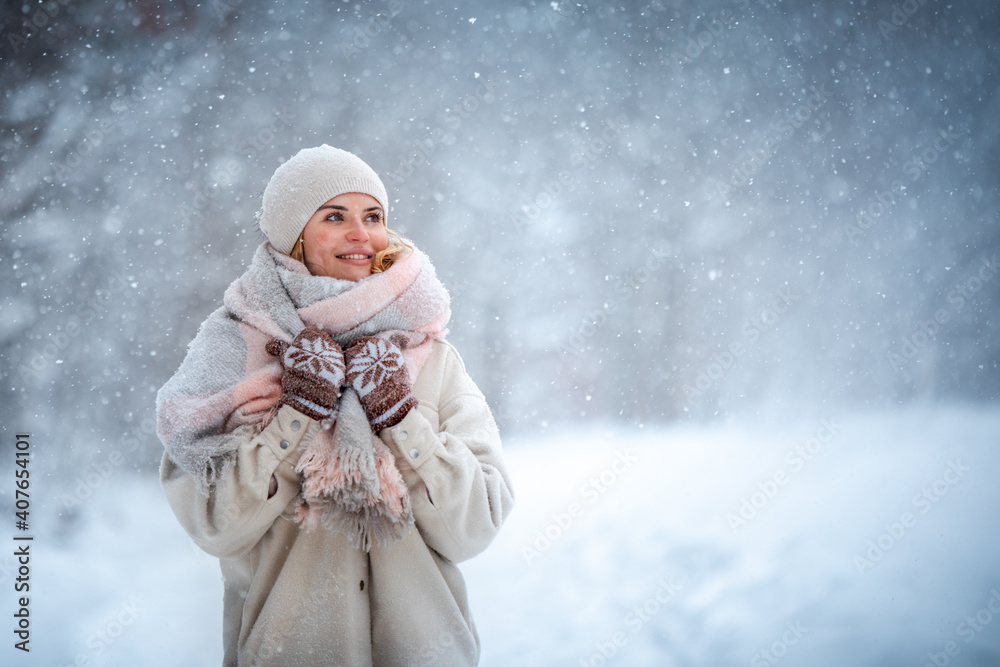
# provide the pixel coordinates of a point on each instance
(357, 231)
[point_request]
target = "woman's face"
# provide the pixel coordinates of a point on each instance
(342, 237)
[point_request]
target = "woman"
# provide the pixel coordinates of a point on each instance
(337, 494)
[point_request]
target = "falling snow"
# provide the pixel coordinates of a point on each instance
(692, 229)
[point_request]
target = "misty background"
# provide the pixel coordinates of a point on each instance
(649, 214)
(589, 180)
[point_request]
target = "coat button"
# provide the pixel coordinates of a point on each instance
(296, 424)
(414, 453)
(284, 444)
(402, 435)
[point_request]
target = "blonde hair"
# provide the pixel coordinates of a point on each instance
(383, 258)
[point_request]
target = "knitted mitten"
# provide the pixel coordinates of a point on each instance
(314, 372)
(376, 370)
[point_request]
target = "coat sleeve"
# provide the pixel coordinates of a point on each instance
(458, 483)
(236, 513)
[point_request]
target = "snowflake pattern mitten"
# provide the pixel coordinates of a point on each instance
(377, 371)
(314, 372)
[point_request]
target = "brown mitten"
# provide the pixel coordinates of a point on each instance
(314, 372)
(376, 370)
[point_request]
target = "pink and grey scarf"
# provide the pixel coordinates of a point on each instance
(228, 386)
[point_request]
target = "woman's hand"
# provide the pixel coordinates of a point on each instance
(377, 371)
(314, 372)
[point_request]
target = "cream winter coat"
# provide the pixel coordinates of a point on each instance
(310, 599)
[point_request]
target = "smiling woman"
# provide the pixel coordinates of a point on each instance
(325, 442)
(343, 236)
(347, 239)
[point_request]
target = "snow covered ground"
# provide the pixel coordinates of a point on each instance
(864, 540)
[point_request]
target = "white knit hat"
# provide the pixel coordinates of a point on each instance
(305, 182)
